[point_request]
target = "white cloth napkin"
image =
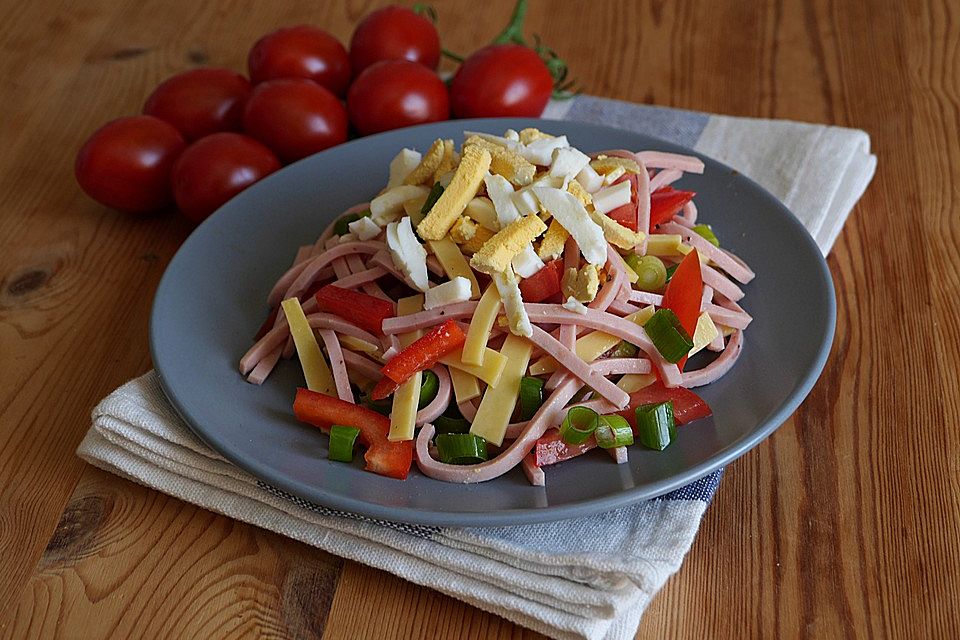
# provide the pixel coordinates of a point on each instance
(540, 576)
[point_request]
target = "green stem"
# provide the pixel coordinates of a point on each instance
(514, 29)
(453, 56)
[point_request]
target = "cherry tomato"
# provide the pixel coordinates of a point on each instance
(215, 168)
(394, 33)
(501, 80)
(201, 101)
(396, 93)
(301, 52)
(295, 118)
(126, 164)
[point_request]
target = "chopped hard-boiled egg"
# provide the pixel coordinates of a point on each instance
(590, 179)
(553, 241)
(509, 289)
(569, 212)
(463, 230)
(568, 162)
(408, 254)
(423, 172)
(572, 304)
(530, 134)
(388, 205)
(364, 228)
(505, 162)
(526, 202)
(462, 189)
(581, 194)
(613, 176)
(402, 166)
(496, 254)
(454, 290)
(609, 164)
(476, 243)
(615, 233)
(482, 211)
(502, 141)
(448, 162)
(526, 263)
(581, 284)
(540, 151)
(609, 198)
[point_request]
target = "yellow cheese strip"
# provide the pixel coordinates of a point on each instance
(413, 207)
(403, 413)
(591, 346)
(475, 346)
(315, 369)
(454, 264)
(493, 414)
(635, 381)
(361, 346)
(660, 244)
(704, 333)
(465, 386)
(490, 371)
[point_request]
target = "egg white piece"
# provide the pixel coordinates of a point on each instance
(456, 290)
(408, 254)
(609, 198)
(364, 228)
(501, 192)
(573, 217)
(509, 290)
(590, 179)
(572, 304)
(568, 162)
(388, 205)
(540, 151)
(402, 166)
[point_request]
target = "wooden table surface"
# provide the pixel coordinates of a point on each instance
(845, 522)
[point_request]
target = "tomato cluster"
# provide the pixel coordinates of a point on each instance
(207, 134)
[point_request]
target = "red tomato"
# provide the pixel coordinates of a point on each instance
(201, 101)
(394, 33)
(295, 118)
(301, 52)
(126, 164)
(627, 214)
(215, 168)
(501, 80)
(544, 283)
(396, 93)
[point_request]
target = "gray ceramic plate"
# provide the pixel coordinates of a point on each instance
(212, 300)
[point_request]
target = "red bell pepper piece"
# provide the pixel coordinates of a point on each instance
(384, 388)
(687, 406)
(422, 354)
(365, 311)
(543, 283)
(666, 203)
(392, 459)
(626, 215)
(684, 293)
(551, 449)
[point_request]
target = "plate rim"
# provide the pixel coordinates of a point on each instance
(356, 508)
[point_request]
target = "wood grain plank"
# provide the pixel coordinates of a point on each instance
(126, 561)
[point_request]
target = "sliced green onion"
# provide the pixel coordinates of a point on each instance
(429, 386)
(651, 273)
(633, 261)
(706, 231)
(447, 424)
(655, 425)
(531, 396)
(668, 335)
(461, 448)
(670, 271)
(342, 227)
(341, 443)
(614, 431)
(435, 192)
(383, 406)
(578, 425)
(624, 350)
